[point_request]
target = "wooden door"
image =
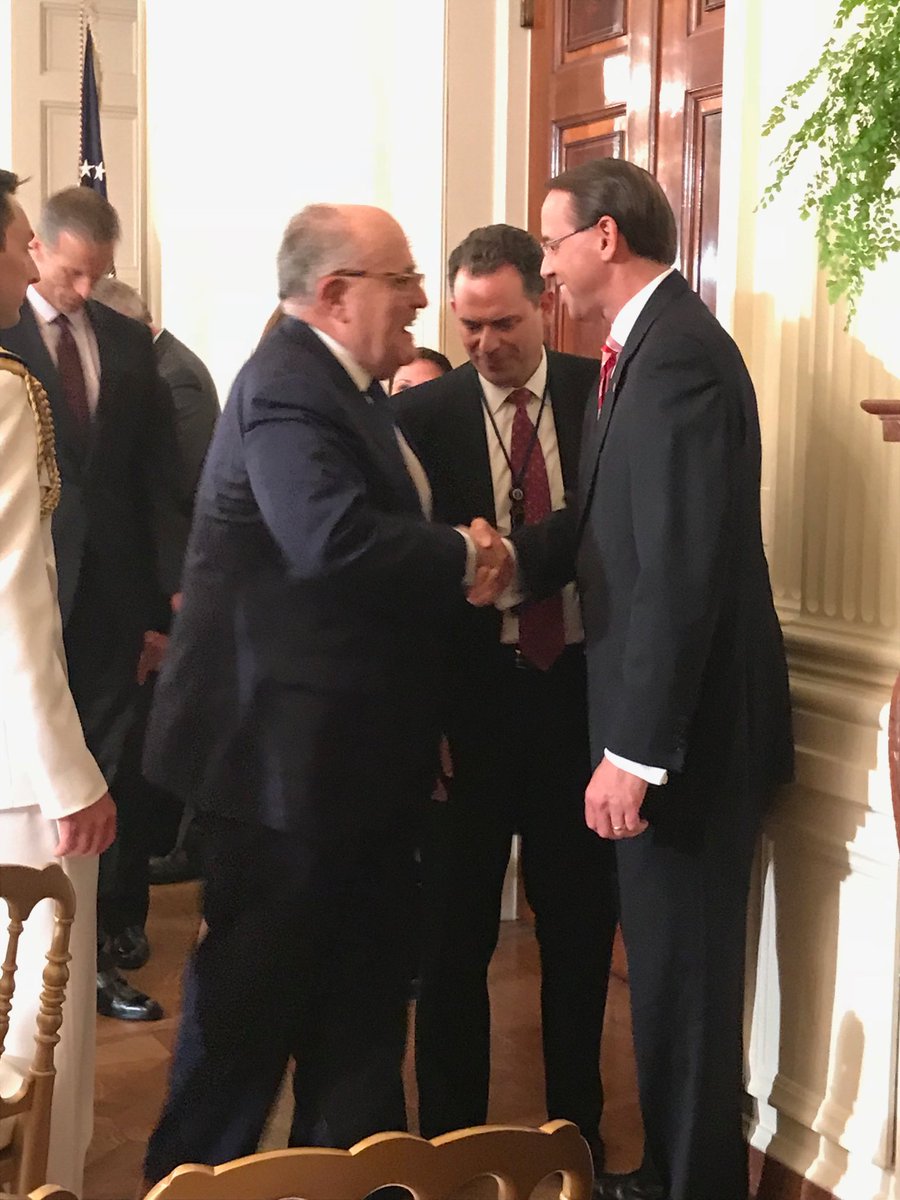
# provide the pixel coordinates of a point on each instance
(636, 79)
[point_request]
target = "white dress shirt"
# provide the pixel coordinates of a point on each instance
(503, 413)
(85, 340)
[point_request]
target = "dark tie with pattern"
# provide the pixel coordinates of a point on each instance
(542, 637)
(71, 373)
(608, 360)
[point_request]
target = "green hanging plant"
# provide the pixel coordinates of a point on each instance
(856, 129)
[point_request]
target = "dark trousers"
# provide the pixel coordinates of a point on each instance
(521, 763)
(123, 890)
(683, 887)
(306, 957)
(102, 650)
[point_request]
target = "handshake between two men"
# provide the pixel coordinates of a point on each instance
(495, 565)
(614, 794)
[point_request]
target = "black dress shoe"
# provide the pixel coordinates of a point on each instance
(117, 998)
(626, 1187)
(175, 867)
(130, 948)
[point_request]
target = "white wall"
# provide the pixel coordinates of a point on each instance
(823, 989)
(6, 86)
(290, 104)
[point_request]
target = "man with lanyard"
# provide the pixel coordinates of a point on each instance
(499, 438)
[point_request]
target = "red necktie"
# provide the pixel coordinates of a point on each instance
(542, 637)
(610, 355)
(71, 373)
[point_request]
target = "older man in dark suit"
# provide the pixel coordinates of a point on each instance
(500, 436)
(119, 531)
(297, 709)
(689, 709)
(194, 396)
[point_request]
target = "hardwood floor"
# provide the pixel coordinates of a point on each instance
(133, 1059)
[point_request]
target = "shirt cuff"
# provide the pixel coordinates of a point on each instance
(471, 558)
(512, 594)
(655, 775)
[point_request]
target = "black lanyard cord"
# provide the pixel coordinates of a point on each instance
(516, 491)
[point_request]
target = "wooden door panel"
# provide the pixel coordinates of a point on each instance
(690, 131)
(700, 212)
(641, 79)
(586, 22)
(582, 78)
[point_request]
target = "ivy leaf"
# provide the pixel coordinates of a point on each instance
(855, 130)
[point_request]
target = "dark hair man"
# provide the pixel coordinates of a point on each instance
(689, 709)
(500, 436)
(119, 531)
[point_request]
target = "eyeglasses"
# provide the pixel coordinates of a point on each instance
(398, 279)
(551, 245)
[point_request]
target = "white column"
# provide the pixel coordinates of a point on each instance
(823, 984)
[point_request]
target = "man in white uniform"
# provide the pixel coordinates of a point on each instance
(53, 798)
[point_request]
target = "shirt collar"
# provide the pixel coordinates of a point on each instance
(496, 396)
(626, 317)
(360, 376)
(47, 313)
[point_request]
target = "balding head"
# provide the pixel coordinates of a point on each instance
(348, 270)
(117, 294)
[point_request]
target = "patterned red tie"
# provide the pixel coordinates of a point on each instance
(609, 358)
(542, 637)
(71, 373)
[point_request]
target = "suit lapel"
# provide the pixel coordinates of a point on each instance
(373, 422)
(110, 373)
(673, 286)
(471, 444)
(26, 340)
(567, 417)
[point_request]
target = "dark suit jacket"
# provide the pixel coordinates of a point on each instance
(196, 405)
(443, 420)
(685, 655)
(119, 531)
(119, 495)
(297, 692)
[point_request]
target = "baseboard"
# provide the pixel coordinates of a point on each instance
(772, 1180)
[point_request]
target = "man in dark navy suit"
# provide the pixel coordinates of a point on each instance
(120, 529)
(297, 708)
(515, 707)
(689, 708)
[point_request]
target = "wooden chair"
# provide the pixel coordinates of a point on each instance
(517, 1158)
(26, 1088)
(48, 1192)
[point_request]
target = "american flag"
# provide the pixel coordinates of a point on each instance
(92, 168)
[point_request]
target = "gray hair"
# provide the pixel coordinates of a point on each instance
(122, 297)
(82, 212)
(316, 242)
